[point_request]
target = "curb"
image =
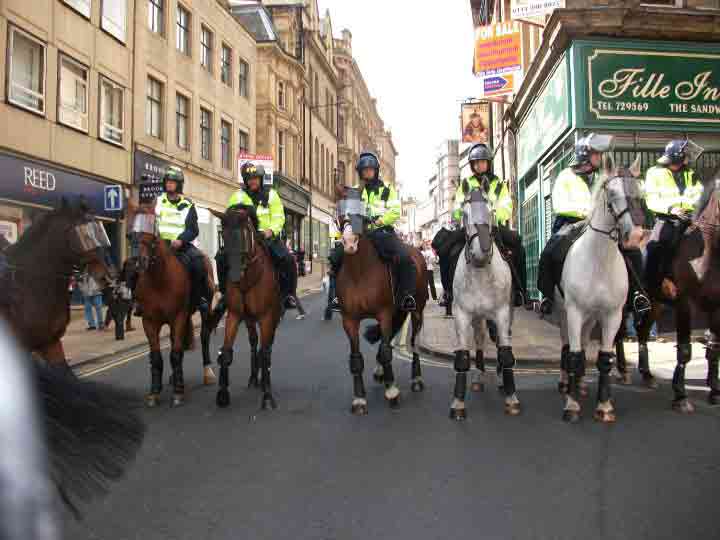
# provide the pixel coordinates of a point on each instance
(449, 358)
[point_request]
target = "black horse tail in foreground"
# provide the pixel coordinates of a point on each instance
(57, 431)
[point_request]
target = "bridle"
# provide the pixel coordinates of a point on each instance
(470, 237)
(247, 229)
(614, 232)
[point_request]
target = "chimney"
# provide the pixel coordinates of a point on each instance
(347, 40)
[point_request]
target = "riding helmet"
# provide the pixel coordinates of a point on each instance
(368, 160)
(675, 153)
(481, 152)
(587, 145)
(251, 170)
(175, 174)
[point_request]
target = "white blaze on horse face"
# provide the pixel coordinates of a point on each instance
(350, 240)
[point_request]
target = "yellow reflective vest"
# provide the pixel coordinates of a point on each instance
(499, 198)
(571, 196)
(171, 216)
(270, 217)
(663, 194)
(387, 212)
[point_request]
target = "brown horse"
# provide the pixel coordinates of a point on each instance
(365, 290)
(163, 289)
(696, 271)
(34, 295)
(252, 296)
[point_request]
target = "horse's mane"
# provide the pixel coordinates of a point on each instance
(31, 236)
(709, 189)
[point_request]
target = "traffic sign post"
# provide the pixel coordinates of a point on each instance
(113, 198)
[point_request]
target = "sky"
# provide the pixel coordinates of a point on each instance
(417, 63)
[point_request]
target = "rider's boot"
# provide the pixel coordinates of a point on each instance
(407, 282)
(546, 306)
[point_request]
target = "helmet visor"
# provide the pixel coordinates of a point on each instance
(600, 143)
(144, 223)
(91, 236)
(693, 151)
(351, 207)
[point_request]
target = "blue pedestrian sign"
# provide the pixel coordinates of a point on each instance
(113, 198)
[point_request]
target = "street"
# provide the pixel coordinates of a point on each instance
(310, 470)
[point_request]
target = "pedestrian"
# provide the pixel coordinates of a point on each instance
(92, 299)
(431, 260)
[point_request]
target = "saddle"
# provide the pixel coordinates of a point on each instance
(561, 245)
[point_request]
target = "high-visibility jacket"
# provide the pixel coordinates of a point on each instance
(663, 194)
(270, 216)
(498, 195)
(383, 204)
(171, 216)
(571, 196)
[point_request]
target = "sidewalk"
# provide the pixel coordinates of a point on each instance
(83, 346)
(536, 341)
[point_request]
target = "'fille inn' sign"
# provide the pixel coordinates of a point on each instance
(660, 87)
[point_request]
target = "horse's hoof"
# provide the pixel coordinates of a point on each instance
(394, 403)
(359, 409)
(378, 378)
(209, 377)
(606, 417)
(477, 387)
(152, 400)
(268, 402)
(223, 398)
(178, 400)
(563, 387)
(459, 415)
(512, 409)
(650, 382)
(683, 406)
(417, 386)
(571, 417)
(253, 382)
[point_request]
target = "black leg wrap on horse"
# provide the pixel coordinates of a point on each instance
(156, 371)
(176, 361)
(684, 353)
(712, 355)
(265, 354)
(564, 357)
(460, 386)
(462, 361)
(225, 358)
(575, 360)
(583, 364)
(480, 360)
(643, 358)
(385, 354)
(604, 366)
(357, 364)
(506, 359)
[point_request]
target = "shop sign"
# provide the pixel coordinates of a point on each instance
(475, 122)
(498, 57)
(523, 9)
(148, 172)
(637, 84)
(547, 120)
(37, 182)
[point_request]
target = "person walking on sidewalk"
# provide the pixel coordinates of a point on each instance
(430, 260)
(92, 299)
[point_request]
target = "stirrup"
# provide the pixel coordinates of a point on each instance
(408, 303)
(334, 305)
(641, 303)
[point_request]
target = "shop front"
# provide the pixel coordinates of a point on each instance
(296, 201)
(31, 188)
(645, 93)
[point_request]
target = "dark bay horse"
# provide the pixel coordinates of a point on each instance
(252, 296)
(56, 431)
(34, 297)
(163, 289)
(696, 272)
(364, 287)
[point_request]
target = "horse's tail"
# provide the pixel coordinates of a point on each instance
(92, 431)
(373, 334)
(189, 341)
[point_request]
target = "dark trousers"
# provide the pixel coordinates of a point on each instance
(660, 253)
(553, 257)
(634, 262)
(194, 260)
(286, 266)
(448, 263)
(431, 284)
(393, 251)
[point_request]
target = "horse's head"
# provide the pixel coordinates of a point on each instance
(239, 232)
(351, 218)
(144, 237)
(79, 239)
(478, 221)
(623, 203)
(707, 211)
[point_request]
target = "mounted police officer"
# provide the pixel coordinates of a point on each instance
(672, 189)
(572, 202)
(178, 224)
(333, 301)
(271, 220)
(498, 193)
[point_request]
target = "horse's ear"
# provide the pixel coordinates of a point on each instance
(608, 165)
(635, 168)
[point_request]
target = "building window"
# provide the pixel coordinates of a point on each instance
(27, 71)
(243, 141)
(206, 48)
(316, 92)
(281, 151)
(81, 6)
(153, 108)
(322, 167)
(156, 16)
(182, 121)
(111, 111)
(226, 144)
(73, 95)
(226, 67)
(332, 171)
(206, 134)
(281, 95)
(316, 179)
(183, 30)
(113, 18)
(341, 129)
(244, 78)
